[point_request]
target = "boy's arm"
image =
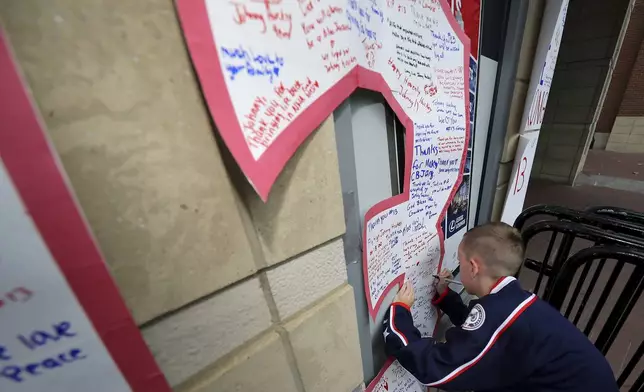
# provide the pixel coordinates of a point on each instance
(463, 362)
(452, 305)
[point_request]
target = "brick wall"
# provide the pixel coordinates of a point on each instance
(627, 126)
(633, 101)
(629, 50)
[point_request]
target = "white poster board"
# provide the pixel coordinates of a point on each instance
(518, 185)
(272, 71)
(63, 325)
(47, 342)
(545, 61)
(543, 70)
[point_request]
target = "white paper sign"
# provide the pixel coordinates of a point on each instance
(545, 61)
(46, 341)
(518, 185)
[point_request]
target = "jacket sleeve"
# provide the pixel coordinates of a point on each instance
(452, 305)
(463, 362)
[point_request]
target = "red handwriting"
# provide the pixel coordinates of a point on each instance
(281, 22)
(337, 59)
(370, 52)
(520, 174)
(538, 108)
(410, 92)
(306, 6)
(325, 24)
(18, 295)
(267, 117)
(394, 68)
(431, 90)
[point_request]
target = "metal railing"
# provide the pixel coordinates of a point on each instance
(607, 235)
(621, 309)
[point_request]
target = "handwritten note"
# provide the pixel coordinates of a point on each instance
(46, 341)
(394, 378)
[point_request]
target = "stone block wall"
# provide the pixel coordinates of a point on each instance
(590, 34)
(230, 293)
(627, 135)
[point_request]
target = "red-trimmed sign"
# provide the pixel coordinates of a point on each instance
(64, 325)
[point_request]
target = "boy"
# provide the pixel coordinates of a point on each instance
(506, 340)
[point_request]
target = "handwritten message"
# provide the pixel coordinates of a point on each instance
(282, 61)
(46, 341)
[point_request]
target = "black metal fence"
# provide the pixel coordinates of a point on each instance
(586, 253)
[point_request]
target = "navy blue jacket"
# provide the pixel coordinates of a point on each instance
(506, 341)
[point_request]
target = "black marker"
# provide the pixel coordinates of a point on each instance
(449, 280)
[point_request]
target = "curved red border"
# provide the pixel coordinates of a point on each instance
(263, 172)
(374, 81)
(34, 170)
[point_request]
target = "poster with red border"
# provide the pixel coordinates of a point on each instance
(64, 324)
(273, 70)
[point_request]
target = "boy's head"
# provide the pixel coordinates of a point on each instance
(487, 253)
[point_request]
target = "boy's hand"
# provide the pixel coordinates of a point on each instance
(440, 283)
(405, 295)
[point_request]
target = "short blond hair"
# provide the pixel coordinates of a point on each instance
(498, 245)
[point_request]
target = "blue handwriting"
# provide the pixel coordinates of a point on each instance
(238, 60)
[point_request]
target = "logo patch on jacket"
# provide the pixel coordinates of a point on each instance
(475, 319)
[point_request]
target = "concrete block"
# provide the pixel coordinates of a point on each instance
(530, 38)
(558, 179)
(617, 147)
(576, 78)
(600, 140)
(261, 366)
(576, 97)
(187, 341)
(557, 167)
(505, 170)
(536, 167)
(325, 343)
(634, 148)
(635, 139)
(305, 207)
(549, 115)
(622, 129)
(514, 120)
(639, 121)
(301, 281)
(573, 114)
(563, 153)
(638, 130)
(115, 85)
(499, 201)
(592, 49)
(618, 138)
(566, 135)
(360, 388)
(622, 120)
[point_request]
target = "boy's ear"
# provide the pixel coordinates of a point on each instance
(475, 266)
